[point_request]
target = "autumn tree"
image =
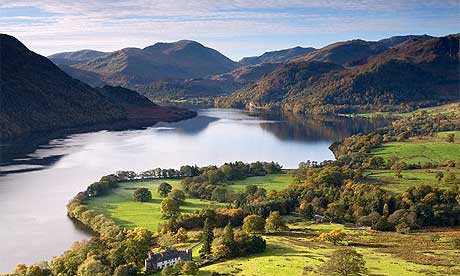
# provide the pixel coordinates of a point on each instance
(137, 244)
(275, 222)
(189, 268)
(169, 208)
(178, 196)
(254, 224)
(335, 236)
(126, 270)
(92, 267)
(181, 235)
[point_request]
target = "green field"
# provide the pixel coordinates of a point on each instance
(388, 180)
(445, 133)
(453, 108)
(289, 254)
(414, 152)
(120, 206)
(268, 182)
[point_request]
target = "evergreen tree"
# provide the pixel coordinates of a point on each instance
(208, 237)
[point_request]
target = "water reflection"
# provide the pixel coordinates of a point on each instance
(313, 128)
(41, 175)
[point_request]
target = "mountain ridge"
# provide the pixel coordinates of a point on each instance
(37, 96)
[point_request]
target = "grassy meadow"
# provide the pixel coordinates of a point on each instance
(300, 252)
(389, 181)
(120, 206)
(442, 109)
(268, 182)
(422, 150)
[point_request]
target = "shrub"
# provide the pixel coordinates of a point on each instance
(335, 236)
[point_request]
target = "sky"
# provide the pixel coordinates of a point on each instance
(235, 28)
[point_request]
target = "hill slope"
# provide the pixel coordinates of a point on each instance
(134, 67)
(36, 95)
(415, 72)
(276, 56)
(69, 58)
(212, 86)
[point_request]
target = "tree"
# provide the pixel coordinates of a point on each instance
(450, 178)
(168, 271)
(275, 222)
(251, 189)
(181, 235)
(450, 138)
(219, 194)
(178, 196)
(306, 210)
(35, 270)
(169, 208)
(208, 237)
(166, 240)
(142, 195)
(189, 268)
(126, 270)
(335, 236)
(137, 245)
(92, 267)
(439, 176)
(254, 224)
(164, 189)
(344, 262)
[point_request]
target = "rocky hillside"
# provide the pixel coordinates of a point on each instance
(414, 72)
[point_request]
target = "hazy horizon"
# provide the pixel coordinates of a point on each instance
(235, 28)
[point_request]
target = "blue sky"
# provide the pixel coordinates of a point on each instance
(236, 28)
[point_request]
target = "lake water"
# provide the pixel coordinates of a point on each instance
(38, 178)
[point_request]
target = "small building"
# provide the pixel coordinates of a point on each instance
(160, 260)
(320, 219)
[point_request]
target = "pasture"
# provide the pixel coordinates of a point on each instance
(120, 206)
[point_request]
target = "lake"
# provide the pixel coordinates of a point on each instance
(39, 176)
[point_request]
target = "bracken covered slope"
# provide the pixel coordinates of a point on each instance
(414, 72)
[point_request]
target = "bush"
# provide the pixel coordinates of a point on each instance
(344, 262)
(335, 236)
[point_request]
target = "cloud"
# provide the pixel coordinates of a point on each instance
(48, 26)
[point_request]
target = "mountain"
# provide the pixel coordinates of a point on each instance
(37, 96)
(134, 67)
(70, 58)
(345, 53)
(276, 56)
(212, 86)
(414, 72)
(396, 40)
(141, 111)
(355, 52)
